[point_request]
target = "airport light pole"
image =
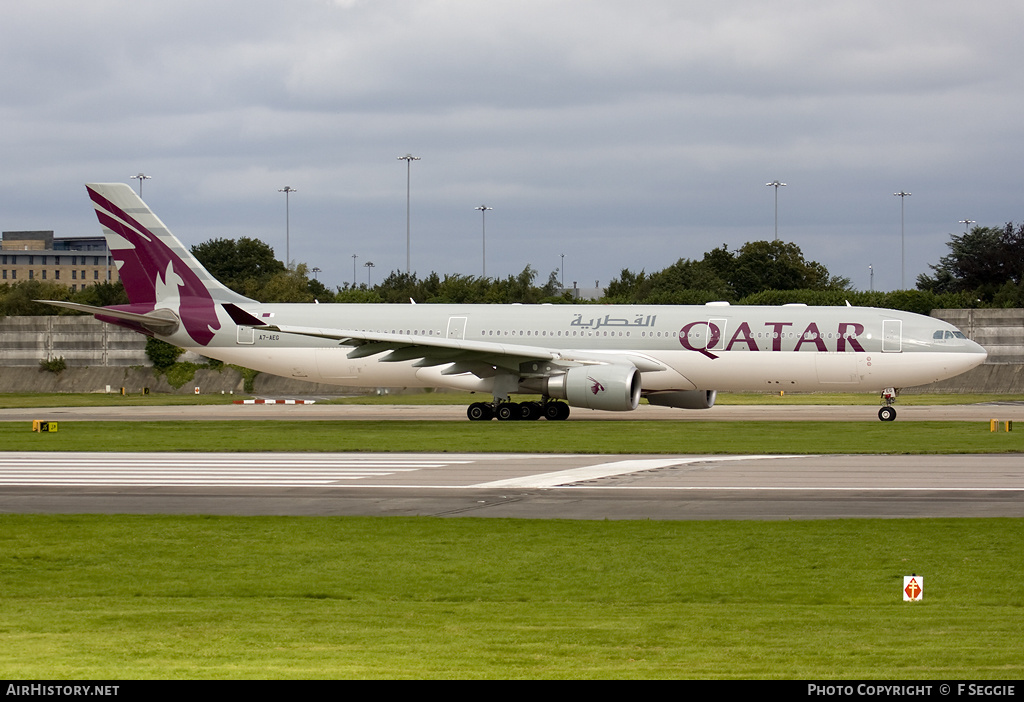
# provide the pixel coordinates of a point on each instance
(287, 190)
(967, 224)
(354, 257)
(776, 184)
(408, 158)
(141, 177)
(483, 229)
(903, 249)
(315, 270)
(561, 272)
(369, 270)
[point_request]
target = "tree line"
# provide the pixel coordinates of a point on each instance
(984, 268)
(986, 263)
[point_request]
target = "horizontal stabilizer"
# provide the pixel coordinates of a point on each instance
(161, 321)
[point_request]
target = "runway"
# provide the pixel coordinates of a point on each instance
(457, 413)
(515, 485)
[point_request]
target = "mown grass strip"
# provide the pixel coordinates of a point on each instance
(289, 597)
(96, 399)
(540, 437)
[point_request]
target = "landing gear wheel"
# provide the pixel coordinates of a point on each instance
(508, 411)
(887, 414)
(479, 412)
(556, 411)
(530, 410)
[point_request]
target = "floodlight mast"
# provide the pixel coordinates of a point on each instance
(483, 215)
(287, 190)
(408, 158)
(141, 177)
(776, 184)
(903, 249)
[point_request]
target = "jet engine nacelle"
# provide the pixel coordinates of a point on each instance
(613, 387)
(684, 399)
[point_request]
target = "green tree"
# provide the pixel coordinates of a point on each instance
(20, 298)
(162, 354)
(357, 295)
(102, 294)
(983, 260)
(685, 274)
(244, 265)
(319, 291)
(290, 285)
(518, 288)
(629, 288)
(778, 265)
(723, 275)
(248, 266)
(400, 287)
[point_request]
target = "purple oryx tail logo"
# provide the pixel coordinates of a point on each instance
(153, 274)
(595, 386)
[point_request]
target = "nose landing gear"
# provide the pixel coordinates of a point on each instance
(888, 413)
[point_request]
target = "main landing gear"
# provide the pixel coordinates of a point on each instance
(511, 411)
(888, 413)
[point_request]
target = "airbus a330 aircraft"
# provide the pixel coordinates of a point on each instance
(592, 356)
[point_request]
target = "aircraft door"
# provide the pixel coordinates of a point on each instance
(892, 335)
(456, 327)
(720, 325)
(245, 335)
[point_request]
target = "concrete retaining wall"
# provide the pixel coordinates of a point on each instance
(1001, 332)
(987, 378)
(134, 379)
(81, 341)
(98, 379)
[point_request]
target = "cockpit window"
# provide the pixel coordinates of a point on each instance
(947, 334)
(937, 334)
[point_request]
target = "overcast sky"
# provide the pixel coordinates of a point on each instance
(620, 134)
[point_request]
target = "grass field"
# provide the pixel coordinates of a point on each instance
(548, 437)
(195, 597)
(123, 597)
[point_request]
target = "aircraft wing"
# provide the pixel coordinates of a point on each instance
(482, 358)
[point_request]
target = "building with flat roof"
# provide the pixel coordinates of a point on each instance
(74, 261)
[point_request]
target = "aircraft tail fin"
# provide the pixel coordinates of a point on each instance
(158, 273)
(155, 268)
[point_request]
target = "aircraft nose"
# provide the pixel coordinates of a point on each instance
(976, 353)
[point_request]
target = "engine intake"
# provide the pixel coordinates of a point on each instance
(614, 388)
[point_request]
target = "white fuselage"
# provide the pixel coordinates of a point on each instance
(711, 347)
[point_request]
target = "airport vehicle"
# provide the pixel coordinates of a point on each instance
(587, 356)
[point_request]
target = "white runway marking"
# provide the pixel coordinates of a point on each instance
(208, 470)
(294, 469)
(607, 470)
(610, 470)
